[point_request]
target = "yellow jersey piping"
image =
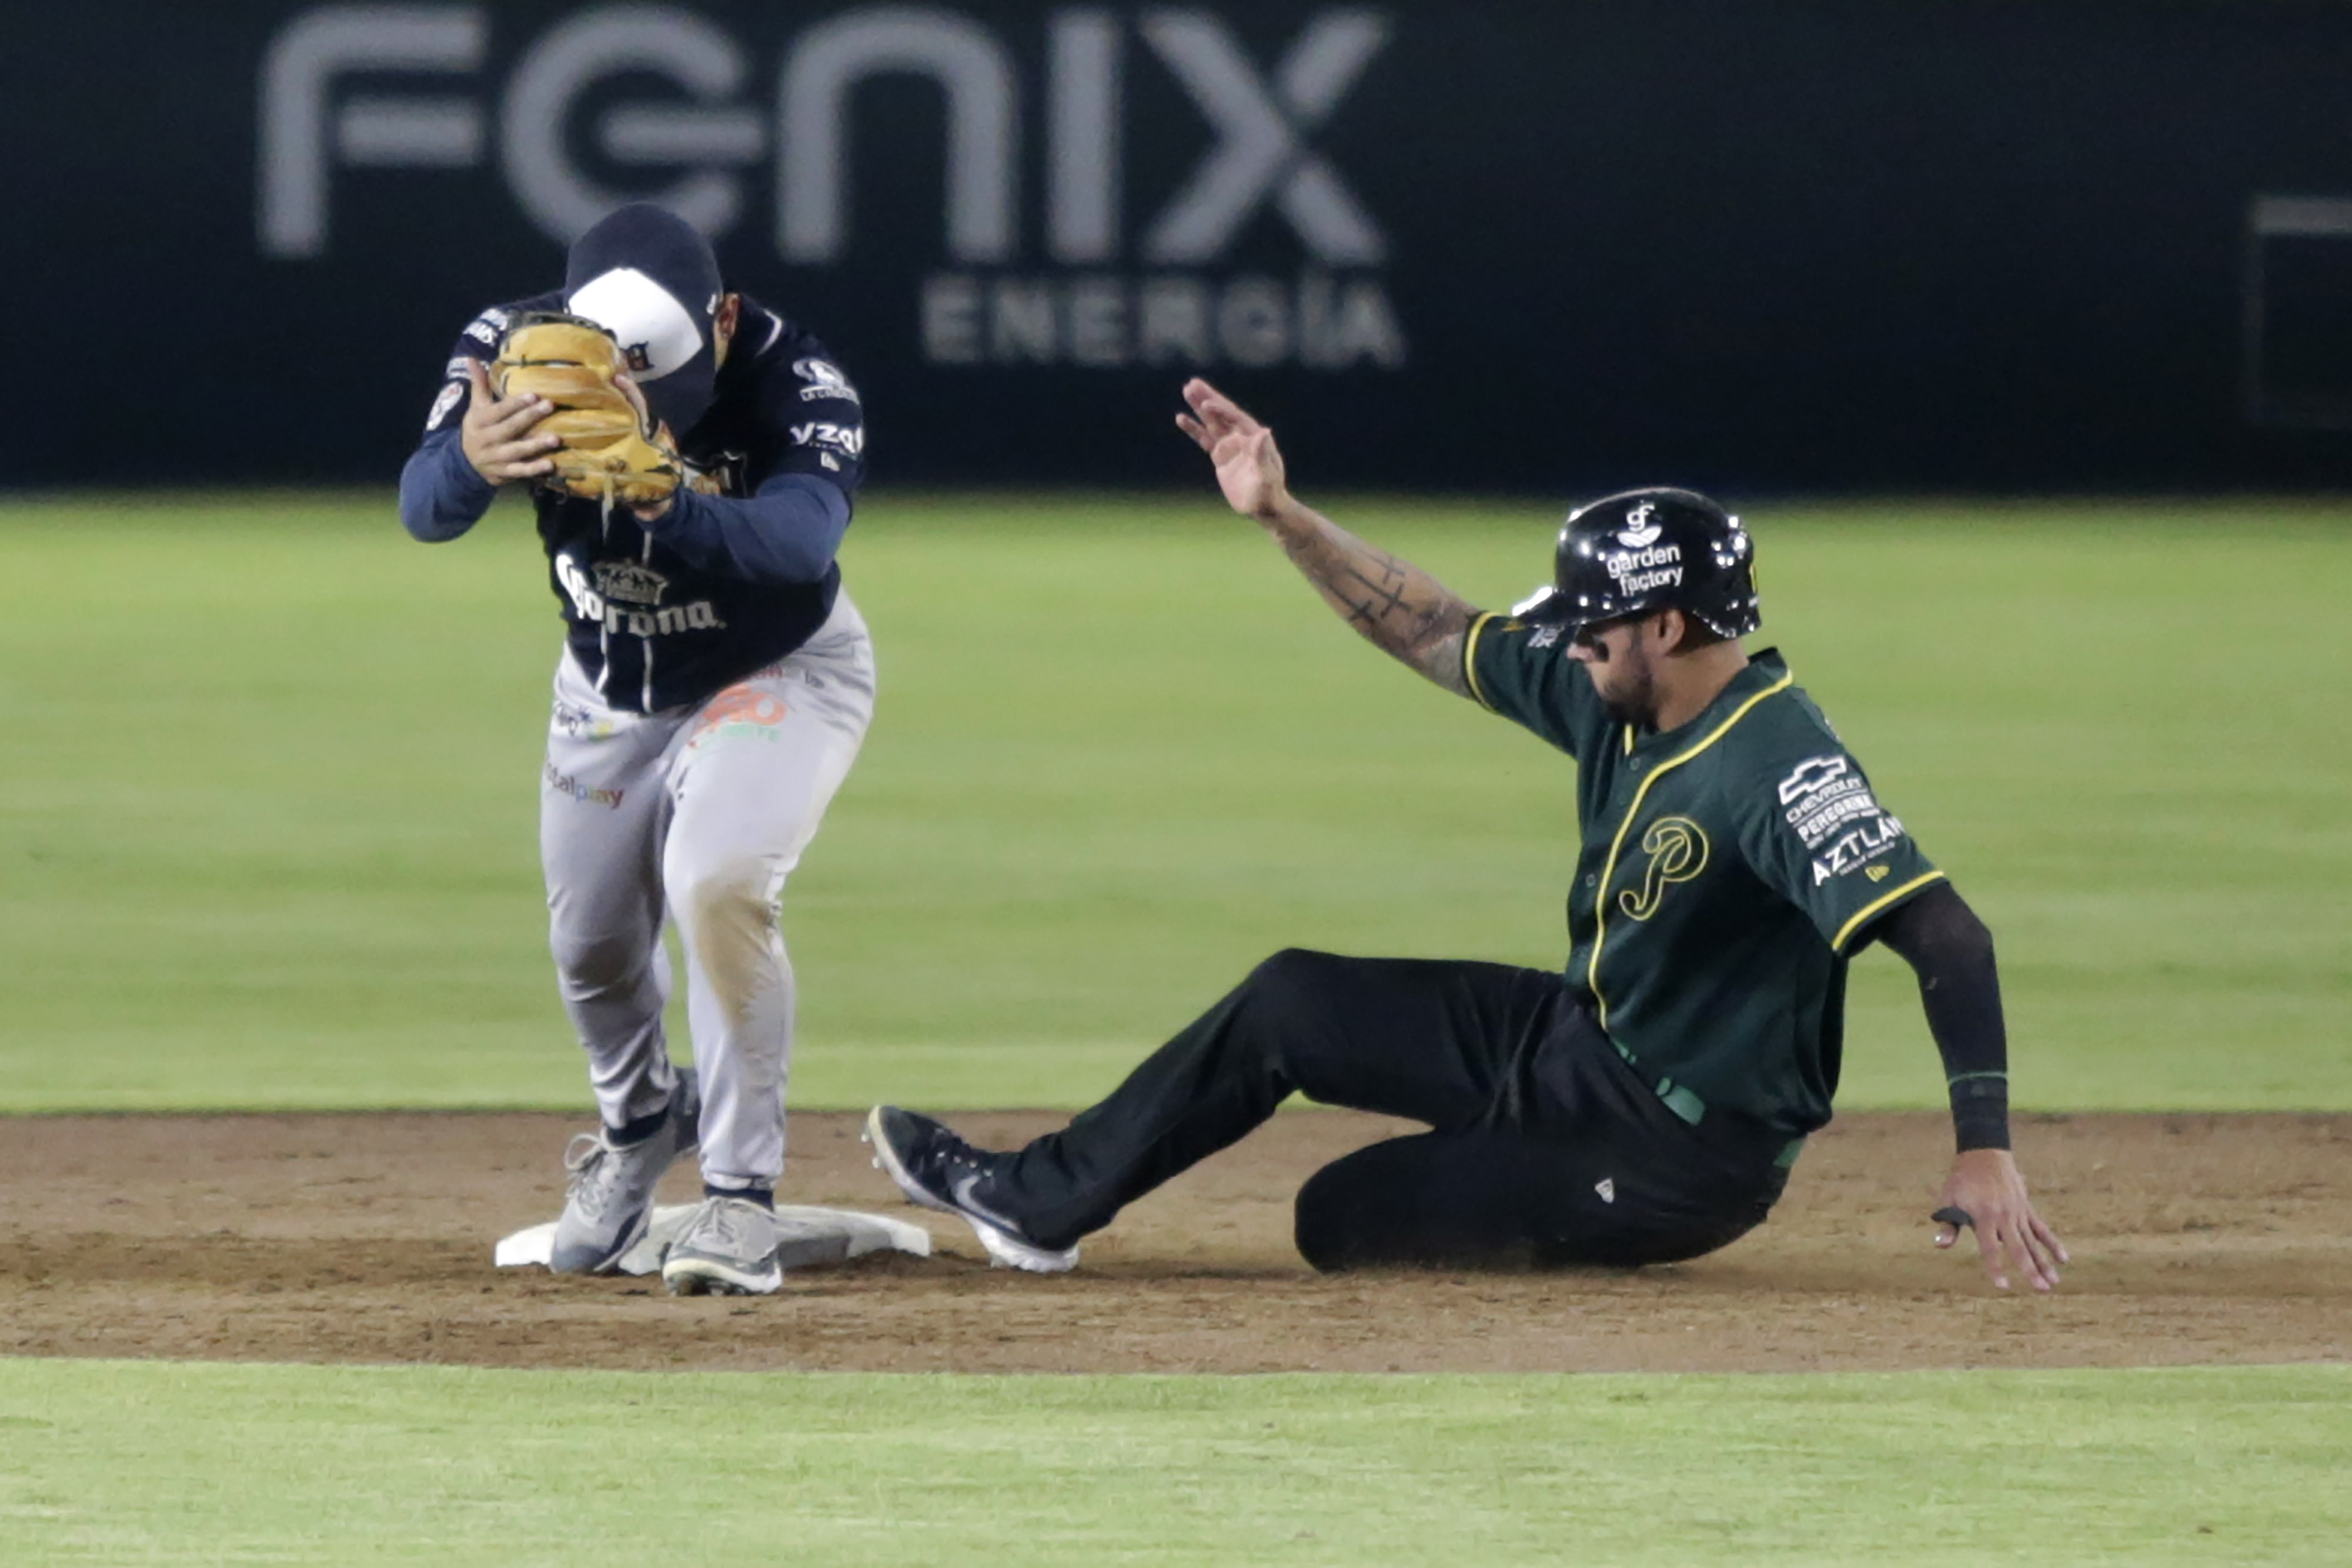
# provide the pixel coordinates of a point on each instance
(1837, 943)
(1609, 867)
(1470, 660)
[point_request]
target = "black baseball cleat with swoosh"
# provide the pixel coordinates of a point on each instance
(936, 1169)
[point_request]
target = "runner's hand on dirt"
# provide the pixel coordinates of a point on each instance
(1986, 1188)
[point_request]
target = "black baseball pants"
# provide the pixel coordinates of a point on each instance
(1546, 1148)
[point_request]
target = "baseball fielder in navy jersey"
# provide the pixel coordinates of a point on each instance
(1644, 1102)
(715, 684)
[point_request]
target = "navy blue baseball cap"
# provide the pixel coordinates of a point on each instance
(648, 277)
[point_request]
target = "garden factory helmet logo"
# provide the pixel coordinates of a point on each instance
(1639, 532)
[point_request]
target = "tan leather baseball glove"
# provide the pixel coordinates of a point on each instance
(611, 451)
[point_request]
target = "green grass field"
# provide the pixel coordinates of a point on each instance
(269, 790)
(133, 1464)
(266, 818)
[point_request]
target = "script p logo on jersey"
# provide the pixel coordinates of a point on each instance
(1676, 848)
(618, 102)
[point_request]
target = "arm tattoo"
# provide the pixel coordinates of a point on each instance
(1398, 607)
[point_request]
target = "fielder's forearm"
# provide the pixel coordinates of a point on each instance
(786, 533)
(1398, 607)
(441, 496)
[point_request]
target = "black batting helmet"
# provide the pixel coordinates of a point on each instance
(1650, 550)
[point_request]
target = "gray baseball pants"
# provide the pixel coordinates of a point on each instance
(696, 813)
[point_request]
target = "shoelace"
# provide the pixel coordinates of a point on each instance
(955, 1156)
(584, 1158)
(949, 1159)
(591, 1173)
(722, 1220)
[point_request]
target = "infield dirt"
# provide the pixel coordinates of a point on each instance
(2196, 1239)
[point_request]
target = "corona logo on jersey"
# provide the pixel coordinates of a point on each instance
(627, 598)
(629, 583)
(1121, 278)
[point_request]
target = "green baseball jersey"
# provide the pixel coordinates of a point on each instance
(1728, 868)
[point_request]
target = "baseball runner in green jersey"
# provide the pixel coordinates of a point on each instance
(1645, 1103)
(1689, 986)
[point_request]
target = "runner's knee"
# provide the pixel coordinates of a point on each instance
(1325, 1222)
(1373, 1209)
(1290, 991)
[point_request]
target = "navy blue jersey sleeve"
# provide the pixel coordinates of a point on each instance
(786, 533)
(816, 419)
(784, 406)
(441, 495)
(796, 420)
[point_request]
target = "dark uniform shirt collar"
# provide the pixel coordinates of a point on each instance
(1764, 667)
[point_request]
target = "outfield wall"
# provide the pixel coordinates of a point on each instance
(1804, 244)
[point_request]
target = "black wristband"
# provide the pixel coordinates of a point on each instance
(1980, 1110)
